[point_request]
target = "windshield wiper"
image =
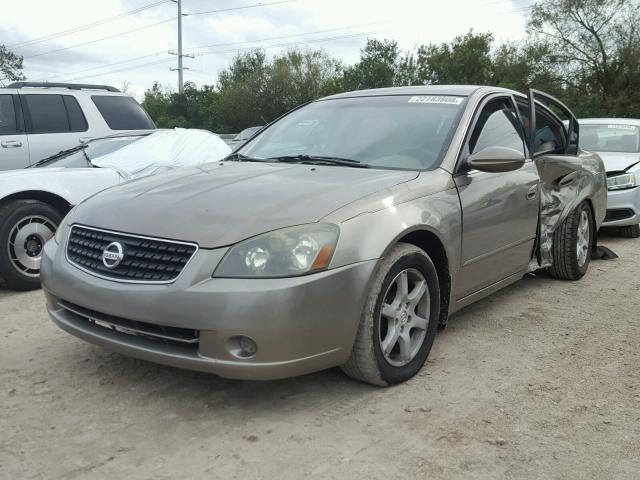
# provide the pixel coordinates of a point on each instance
(320, 160)
(60, 154)
(239, 157)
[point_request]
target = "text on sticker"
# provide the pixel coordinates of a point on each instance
(437, 99)
(622, 127)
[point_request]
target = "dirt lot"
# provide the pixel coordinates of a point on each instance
(540, 381)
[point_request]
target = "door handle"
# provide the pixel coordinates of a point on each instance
(11, 143)
(532, 192)
(84, 139)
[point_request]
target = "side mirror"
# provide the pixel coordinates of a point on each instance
(496, 159)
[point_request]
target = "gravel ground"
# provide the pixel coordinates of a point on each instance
(539, 381)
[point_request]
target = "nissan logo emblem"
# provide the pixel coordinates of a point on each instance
(113, 255)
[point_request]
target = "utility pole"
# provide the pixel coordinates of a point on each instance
(180, 68)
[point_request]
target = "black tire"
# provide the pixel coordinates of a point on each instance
(11, 214)
(566, 263)
(368, 362)
(630, 231)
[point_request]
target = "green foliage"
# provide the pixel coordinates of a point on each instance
(10, 65)
(466, 60)
(586, 52)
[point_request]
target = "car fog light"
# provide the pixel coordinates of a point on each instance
(241, 346)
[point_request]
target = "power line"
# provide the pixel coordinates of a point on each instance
(280, 37)
(239, 8)
(153, 25)
(316, 40)
(100, 39)
(81, 28)
(229, 44)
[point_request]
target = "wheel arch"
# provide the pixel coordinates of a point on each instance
(433, 245)
(56, 201)
(594, 228)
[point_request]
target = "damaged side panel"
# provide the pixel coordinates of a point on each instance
(565, 182)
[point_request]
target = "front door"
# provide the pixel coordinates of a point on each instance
(14, 147)
(499, 210)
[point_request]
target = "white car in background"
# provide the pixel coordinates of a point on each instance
(38, 119)
(34, 200)
(617, 141)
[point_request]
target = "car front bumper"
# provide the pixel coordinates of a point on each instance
(300, 325)
(623, 207)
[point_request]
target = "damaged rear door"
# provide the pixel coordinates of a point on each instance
(566, 177)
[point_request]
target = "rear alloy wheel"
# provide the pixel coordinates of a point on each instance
(572, 245)
(399, 320)
(25, 226)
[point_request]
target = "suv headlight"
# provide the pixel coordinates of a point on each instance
(620, 182)
(282, 253)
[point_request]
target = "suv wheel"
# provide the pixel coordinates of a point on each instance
(572, 245)
(25, 226)
(399, 320)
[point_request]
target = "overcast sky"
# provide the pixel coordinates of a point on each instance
(140, 57)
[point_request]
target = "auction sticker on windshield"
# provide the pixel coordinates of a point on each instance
(436, 99)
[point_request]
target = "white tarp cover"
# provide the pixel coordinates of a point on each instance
(164, 150)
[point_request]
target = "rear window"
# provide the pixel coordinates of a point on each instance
(610, 138)
(122, 113)
(54, 114)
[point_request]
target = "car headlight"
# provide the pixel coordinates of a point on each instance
(619, 182)
(282, 253)
(63, 228)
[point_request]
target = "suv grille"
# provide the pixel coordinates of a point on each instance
(144, 260)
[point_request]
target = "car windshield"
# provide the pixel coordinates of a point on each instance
(397, 132)
(610, 138)
(76, 157)
(247, 133)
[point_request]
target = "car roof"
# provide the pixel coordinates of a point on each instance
(610, 121)
(457, 90)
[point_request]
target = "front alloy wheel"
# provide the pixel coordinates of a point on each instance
(399, 319)
(404, 317)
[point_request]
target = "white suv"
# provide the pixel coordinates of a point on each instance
(40, 119)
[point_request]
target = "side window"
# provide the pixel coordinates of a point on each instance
(7, 116)
(549, 136)
(497, 126)
(77, 120)
(122, 113)
(48, 114)
(54, 114)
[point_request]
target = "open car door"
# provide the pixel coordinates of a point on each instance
(567, 177)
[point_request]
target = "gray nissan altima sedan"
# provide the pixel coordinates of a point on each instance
(343, 234)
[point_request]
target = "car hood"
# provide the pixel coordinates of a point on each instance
(220, 204)
(618, 161)
(29, 172)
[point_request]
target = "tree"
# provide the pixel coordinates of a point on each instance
(10, 65)
(596, 49)
(466, 60)
(377, 68)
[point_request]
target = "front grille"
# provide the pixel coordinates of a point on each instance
(145, 260)
(182, 337)
(618, 214)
